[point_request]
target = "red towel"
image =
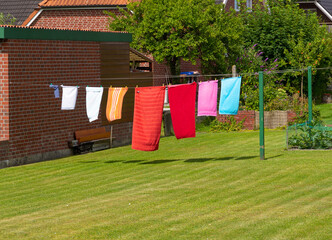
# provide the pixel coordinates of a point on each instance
(182, 100)
(148, 112)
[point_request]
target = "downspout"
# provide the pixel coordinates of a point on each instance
(34, 17)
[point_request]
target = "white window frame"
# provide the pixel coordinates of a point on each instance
(249, 5)
(236, 5)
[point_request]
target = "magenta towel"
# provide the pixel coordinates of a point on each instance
(182, 100)
(207, 98)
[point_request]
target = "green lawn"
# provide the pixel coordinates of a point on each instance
(326, 112)
(210, 187)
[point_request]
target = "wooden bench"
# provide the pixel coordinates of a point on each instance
(87, 139)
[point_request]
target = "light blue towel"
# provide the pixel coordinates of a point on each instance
(230, 96)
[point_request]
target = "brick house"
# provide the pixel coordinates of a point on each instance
(88, 15)
(32, 126)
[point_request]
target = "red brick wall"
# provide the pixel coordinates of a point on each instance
(249, 123)
(37, 123)
(92, 19)
(4, 97)
(159, 71)
(291, 116)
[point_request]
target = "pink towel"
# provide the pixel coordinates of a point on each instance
(207, 98)
(182, 100)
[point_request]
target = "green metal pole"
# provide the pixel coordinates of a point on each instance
(310, 93)
(261, 117)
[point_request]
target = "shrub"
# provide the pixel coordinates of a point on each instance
(311, 136)
(229, 125)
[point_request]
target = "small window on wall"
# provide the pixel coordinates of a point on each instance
(249, 5)
(237, 4)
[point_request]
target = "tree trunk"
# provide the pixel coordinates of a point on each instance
(174, 65)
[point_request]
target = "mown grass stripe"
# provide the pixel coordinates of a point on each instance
(212, 186)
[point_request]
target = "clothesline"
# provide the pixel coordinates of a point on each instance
(181, 76)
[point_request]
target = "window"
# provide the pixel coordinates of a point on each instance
(237, 5)
(249, 5)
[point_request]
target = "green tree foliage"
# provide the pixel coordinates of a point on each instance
(304, 54)
(182, 29)
(7, 19)
(282, 30)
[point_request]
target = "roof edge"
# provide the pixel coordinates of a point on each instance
(82, 6)
(320, 7)
(19, 32)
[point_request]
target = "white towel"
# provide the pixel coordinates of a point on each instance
(93, 100)
(69, 95)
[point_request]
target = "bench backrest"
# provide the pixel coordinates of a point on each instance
(91, 134)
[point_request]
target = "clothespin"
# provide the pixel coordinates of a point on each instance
(125, 86)
(87, 85)
(163, 85)
(136, 86)
(111, 86)
(51, 84)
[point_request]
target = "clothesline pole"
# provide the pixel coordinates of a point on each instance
(310, 93)
(261, 116)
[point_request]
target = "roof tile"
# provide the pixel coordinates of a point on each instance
(20, 9)
(68, 29)
(71, 3)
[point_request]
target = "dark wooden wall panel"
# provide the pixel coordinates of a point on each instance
(115, 72)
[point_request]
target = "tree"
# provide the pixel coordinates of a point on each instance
(304, 54)
(7, 19)
(273, 28)
(284, 31)
(187, 29)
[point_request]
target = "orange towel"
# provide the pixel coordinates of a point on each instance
(148, 113)
(114, 103)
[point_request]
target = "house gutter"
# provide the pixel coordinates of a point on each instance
(34, 17)
(320, 7)
(13, 32)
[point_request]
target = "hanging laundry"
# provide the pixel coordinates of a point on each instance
(56, 90)
(230, 96)
(69, 96)
(207, 98)
(93, 99)
(148, 112)
(114, 103)
(182, 105)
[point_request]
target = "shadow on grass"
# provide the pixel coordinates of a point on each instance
(133, 161)
(159, 161)
(191, 160)
(223, 159)
(113, 161)
(273, 157)
(198, 160)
